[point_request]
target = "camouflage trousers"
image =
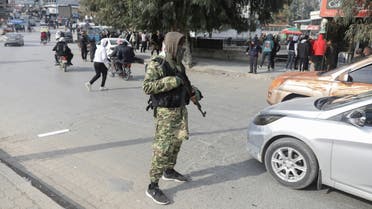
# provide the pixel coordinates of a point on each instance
(171, 129)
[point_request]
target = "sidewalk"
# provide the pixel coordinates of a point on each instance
(236, 68)
(18, 193)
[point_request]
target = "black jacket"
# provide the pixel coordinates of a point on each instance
(124, 54)
(61, 48)
(304, 49)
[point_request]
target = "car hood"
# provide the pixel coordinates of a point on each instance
(303, 107)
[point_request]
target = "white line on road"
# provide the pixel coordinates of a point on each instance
(53, 133)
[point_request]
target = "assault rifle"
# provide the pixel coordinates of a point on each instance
(190, 90)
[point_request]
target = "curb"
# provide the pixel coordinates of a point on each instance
(37, 183)
(258, 76)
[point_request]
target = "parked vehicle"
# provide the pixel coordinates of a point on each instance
(14, 39)
(354, 78)
(326, 139)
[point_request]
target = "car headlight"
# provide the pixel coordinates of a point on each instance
(265, 119)
(276, 83)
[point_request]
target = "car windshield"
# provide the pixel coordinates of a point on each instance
(328, 73)
(113, 42)
(329, 103)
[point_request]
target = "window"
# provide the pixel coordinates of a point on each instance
(363, 75)
(368, 112)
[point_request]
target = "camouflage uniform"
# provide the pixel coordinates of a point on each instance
(171, 123)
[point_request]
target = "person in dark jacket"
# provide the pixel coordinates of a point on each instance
(274, 51)
(155, 43)
(303, 53)
(292, 53)
(330, 56)
(253, 51)
(84, 46)
(123, 54)
(92, 48)
(62, 49)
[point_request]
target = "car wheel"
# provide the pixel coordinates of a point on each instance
(5, 45)
(291, 162)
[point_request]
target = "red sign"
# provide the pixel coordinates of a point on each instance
(313, 27)
(331, 8)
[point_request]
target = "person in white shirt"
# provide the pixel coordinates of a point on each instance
(143, 42)
(100, 58)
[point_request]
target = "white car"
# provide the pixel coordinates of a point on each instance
(12, 39)
(327, 139)
(112, 43)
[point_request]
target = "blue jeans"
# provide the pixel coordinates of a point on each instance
(264, 55)
(290, 61)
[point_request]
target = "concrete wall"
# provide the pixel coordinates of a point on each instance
(229, 55)
(233, 54)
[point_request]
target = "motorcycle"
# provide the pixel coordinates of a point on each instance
(114, 70)
(63, 63)
(126, 71)
(44, 41)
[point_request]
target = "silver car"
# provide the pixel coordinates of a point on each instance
(327, 139)
(14, 39)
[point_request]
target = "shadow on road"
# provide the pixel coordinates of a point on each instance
(137, 78)
(125, 88)
(74, 68)
(219, 174)
(19, 61)
(97, 147)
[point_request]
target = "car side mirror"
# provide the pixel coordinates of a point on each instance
(346, 78)
(356, 118)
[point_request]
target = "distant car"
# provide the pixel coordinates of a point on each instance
(112, 43)
(14, 39)
(326, 139)
(68, 37)
(354, 78)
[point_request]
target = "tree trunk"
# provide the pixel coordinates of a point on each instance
(188, 53)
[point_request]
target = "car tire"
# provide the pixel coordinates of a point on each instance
(291, 162)
(5, 45)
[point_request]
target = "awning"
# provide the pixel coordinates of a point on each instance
(293, 31)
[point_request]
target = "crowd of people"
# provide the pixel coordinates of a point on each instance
(121, 54)
(303, 52)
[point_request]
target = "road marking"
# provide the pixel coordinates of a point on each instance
(53, 133)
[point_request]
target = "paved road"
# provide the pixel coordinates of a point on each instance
(103, 161)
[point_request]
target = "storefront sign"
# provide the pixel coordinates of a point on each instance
(331, 8)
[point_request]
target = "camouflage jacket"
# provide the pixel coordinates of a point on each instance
(167, 83)
(155, 79)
